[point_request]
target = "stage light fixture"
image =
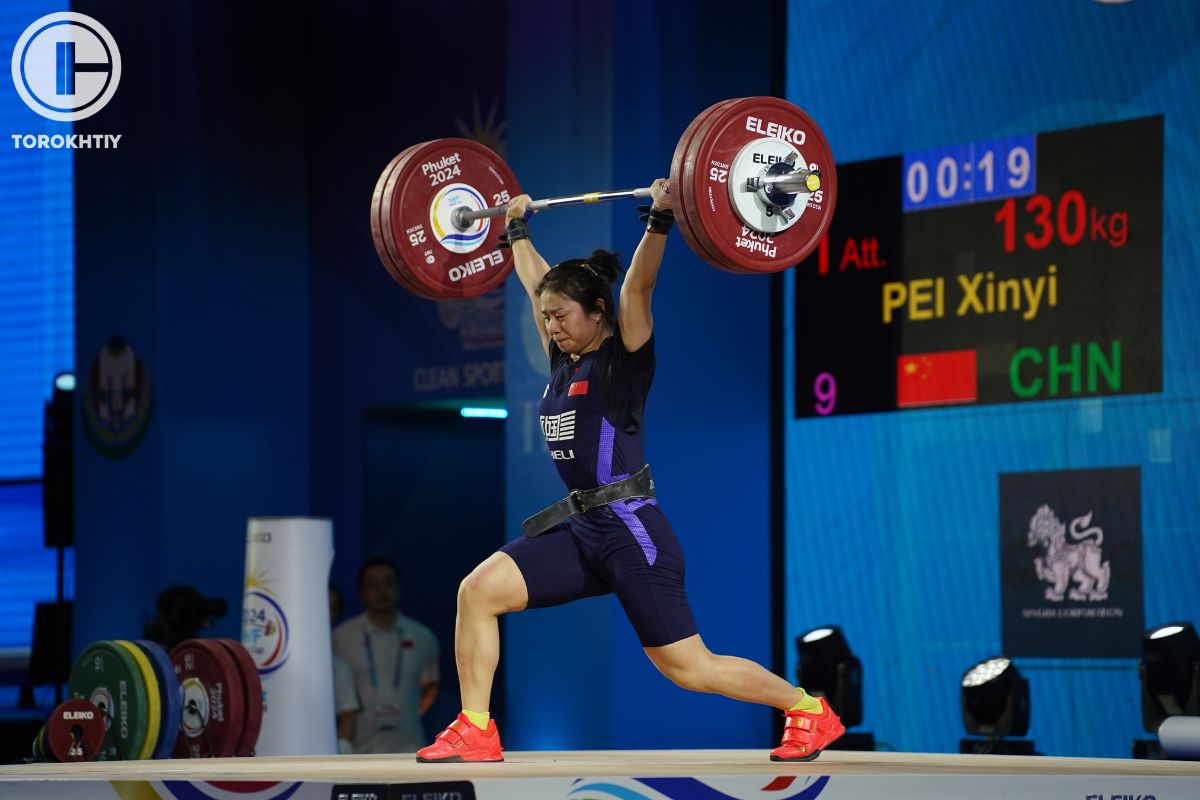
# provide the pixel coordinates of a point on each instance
(995, 699)
(1170, 673)
(472, 412)
(828, 668)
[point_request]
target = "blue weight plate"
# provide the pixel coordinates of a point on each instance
(172, 701)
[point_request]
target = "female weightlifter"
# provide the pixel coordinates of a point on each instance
(610, 534)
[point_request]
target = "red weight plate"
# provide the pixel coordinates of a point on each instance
(400, 267)
(74, 731)
(392, 185)
(676, 175)
(386, 255)
(376, 202)
(739, 267)
(730, 130)
(213, 705)
(418, 200)
(680, 197)
(377, 225)
(691, 167)
(252, 695)
(684, 212)
(688, 172)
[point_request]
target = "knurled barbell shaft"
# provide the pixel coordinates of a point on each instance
(463, 217)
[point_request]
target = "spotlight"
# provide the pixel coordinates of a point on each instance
(1170, 673)
(995, 704)
(828, 668)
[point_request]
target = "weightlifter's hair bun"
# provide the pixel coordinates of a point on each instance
(606, 264)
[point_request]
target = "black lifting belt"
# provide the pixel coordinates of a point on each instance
(639, 484)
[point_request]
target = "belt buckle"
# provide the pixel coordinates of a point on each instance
(574, 501)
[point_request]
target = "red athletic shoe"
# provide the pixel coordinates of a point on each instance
(462, 741)
(806, 735)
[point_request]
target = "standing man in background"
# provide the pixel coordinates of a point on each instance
(395, 662)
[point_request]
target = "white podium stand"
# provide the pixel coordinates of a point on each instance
(285, 626)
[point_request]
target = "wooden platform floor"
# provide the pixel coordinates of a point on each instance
(592, 763)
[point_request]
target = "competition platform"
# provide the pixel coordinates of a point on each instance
(614, 775)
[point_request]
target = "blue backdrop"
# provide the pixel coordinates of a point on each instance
(36, 336)
(899, 511)
(227, 240)
(599, 93)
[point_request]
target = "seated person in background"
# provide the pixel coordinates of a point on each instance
(182, 613)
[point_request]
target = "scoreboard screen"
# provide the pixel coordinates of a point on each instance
(1010, 270)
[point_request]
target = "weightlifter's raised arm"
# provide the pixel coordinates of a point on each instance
(529, 264)
(637, 323)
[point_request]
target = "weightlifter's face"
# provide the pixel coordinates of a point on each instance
(567, 323)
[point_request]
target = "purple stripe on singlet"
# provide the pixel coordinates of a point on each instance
(604, 461)
(623, 508)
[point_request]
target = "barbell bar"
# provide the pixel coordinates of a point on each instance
(800, 180)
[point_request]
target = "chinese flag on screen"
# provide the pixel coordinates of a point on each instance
(925, 379)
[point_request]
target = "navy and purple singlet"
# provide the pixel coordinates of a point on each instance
(591, 417)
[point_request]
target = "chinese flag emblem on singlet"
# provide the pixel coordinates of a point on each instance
(578, 387)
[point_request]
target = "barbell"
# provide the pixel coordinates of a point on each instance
(752, 180)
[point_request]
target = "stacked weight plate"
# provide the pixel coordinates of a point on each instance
(221, 696)
(164, 673)
(411, 209)
(133, 700)
(136, 696)
(683, 199)
(705, 177)
(73, 732)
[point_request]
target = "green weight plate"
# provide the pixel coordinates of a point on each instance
(106, 675)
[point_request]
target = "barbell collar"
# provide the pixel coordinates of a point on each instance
(790, 183)
(463, 217)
